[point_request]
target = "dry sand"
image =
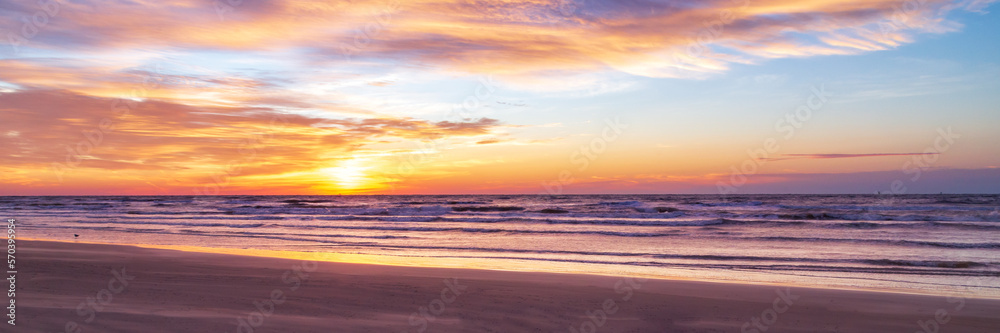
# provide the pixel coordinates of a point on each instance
(67, 284)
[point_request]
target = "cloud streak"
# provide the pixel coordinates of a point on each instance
(189, 141)
(518, 37)
(786, 157)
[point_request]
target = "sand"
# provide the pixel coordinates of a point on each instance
(75, 287)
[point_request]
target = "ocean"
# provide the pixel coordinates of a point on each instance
(941, 244)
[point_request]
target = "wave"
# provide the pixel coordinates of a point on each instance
(487, 209)
(440, 214)
(185, 224)
(926, 225)
(630, 203)
(650, 213)
(442, 202)
(753, 263)
(970, 200)
(616, 233)
(870, 216)
(297, 201)
(727, 203)
(924, 263)
(876, 207)
(698, 257)
(896, 242)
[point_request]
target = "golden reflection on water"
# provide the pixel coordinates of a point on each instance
(467, 263)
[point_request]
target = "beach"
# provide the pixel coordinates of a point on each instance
(80, 287)
(927, 244)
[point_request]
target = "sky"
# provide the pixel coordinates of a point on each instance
(186, 97)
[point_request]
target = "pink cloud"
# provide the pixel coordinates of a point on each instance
(520, 37)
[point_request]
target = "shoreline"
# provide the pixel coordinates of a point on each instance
(175, 290)
(393, 261)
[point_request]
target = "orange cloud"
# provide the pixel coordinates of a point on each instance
(64, 136)
(516, 37)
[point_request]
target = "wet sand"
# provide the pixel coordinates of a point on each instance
(76, 287)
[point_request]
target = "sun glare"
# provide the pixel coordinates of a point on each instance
(349, 174)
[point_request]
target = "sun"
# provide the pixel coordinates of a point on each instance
(349, 174)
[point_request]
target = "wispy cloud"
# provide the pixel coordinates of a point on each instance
(518, 37)
(158, 135)
(785, 157)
